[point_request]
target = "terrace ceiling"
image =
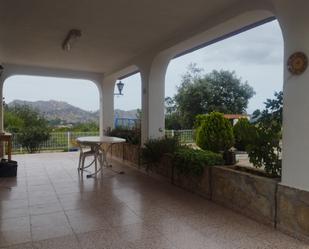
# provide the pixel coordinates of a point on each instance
(113, 32)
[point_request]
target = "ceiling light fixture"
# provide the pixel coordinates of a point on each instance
(72, 36)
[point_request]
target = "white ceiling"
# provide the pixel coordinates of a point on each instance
(113, 32)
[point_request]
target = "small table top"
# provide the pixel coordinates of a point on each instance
(5, 135)
(100, 140)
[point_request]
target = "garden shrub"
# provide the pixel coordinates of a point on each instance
(264, 149)
(188, 161)
(154, 149)
(132, 136)
(214, 132)
(243, 133)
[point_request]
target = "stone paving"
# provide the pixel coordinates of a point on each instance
(50, 205)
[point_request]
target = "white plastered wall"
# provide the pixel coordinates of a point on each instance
(294, 21)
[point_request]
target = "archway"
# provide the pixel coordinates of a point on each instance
(70, 107)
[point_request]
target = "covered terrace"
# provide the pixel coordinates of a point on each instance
(116, 39)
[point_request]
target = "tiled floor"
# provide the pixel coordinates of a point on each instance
(50, 205)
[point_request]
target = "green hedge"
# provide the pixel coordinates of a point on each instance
(154, 149)
(131, 136)
(188, 161)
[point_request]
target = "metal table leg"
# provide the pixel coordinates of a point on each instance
(101, 155)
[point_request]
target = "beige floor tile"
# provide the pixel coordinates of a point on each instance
(14, 212)
(137, 232)
(14, 223)
(33, 181)
(117, 211)
(102, 239)
(46, 187)
(57, 218)
(8, 204)
(66, 242)
(152, 243)
(50, 225)
(14, 231)
(16, 236)
(45, 208)
(85, 220)
(50, 231)
(43, 200)
(10, 194)
(19, 246)
(121, 217)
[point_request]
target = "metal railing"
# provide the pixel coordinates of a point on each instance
(58, 141)
(66, 141)
(184, 136)
(127, 123)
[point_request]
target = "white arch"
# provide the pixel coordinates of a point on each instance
(20, 70)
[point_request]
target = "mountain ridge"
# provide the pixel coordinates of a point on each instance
(65, 113)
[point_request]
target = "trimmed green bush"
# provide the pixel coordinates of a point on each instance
(188, 161)
(154, 149)
(243, 133)
(214, 132)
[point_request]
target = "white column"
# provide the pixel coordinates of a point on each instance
(107, 104)
(2, 79)
(153, 92)
(1, 104)
(294, 20)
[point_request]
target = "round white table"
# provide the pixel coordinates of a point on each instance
(96, 143)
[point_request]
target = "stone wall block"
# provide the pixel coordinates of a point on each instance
(293, 211)
(251, 195)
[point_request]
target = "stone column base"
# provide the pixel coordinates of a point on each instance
(293, 212)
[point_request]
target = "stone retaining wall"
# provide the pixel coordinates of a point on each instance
(293, 211)
(249, 194)
(127, 152)
(200, 185)
(257, 197)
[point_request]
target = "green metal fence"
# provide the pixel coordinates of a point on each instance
(184, 136)
(58, 141)
(65, 141)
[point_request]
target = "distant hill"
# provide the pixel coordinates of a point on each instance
(63, 112)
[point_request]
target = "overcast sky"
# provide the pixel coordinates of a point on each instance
(256, 56)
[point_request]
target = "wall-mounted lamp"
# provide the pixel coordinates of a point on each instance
(1, 69)
(72, 36)
(120, 86)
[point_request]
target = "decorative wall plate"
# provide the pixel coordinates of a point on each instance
(297, 63)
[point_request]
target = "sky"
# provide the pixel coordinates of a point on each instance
(256, 56)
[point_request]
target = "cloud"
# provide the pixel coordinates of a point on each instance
(259, 46)
(256, 56)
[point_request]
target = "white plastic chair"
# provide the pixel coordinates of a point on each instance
(86, 153)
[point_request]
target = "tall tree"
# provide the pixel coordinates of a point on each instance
(220, 91)
(31, 128)
(171, 115)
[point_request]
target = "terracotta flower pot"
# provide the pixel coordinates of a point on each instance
(229, 157)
